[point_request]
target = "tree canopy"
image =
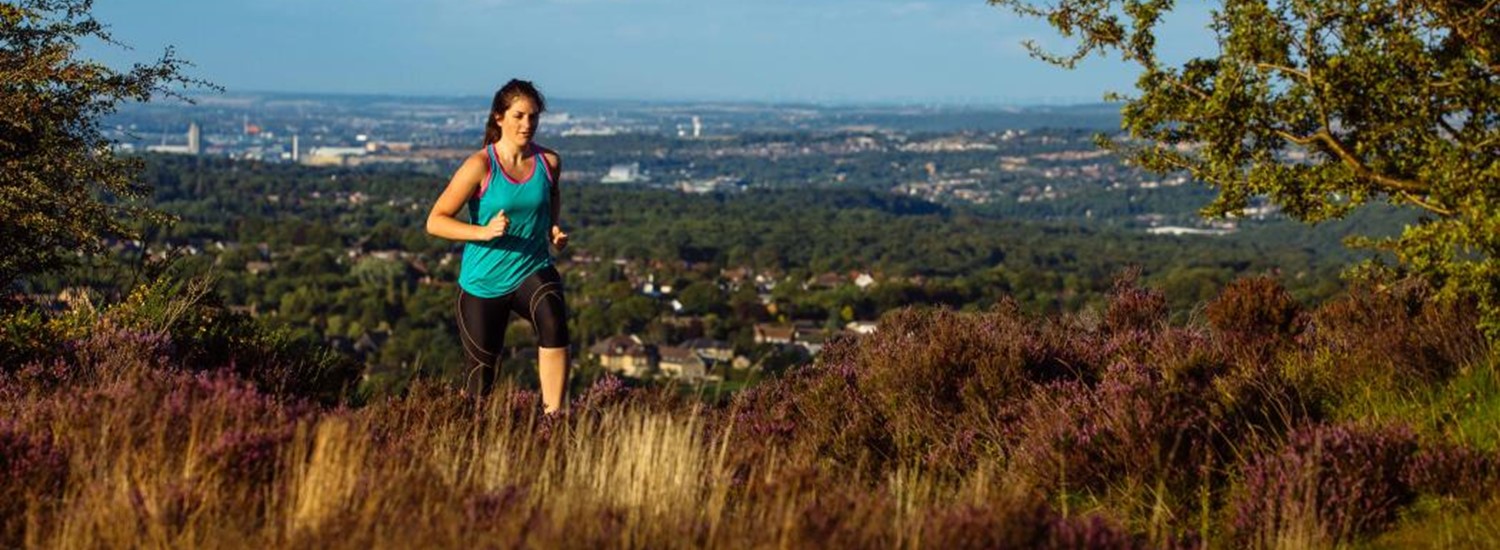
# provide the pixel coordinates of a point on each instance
(1321, 106)
(62, 189)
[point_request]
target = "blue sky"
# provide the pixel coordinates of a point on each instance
(937, 51)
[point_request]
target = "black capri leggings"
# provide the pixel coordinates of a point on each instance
(482, 322)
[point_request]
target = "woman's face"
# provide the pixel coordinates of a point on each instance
(518, 122)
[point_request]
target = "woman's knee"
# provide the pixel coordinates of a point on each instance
(552, 323)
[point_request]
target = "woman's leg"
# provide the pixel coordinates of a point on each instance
(549, 316)
(481, 328)
(552, 368)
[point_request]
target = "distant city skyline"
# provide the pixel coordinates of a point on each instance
(825, 51)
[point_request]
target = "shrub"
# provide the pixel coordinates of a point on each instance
(815, 415)
(1456, 471)
(25, 338)
(1018, 523)
(1396, 332)
(250, 455)
(1133, 307)
(168, 324)
(33, 470)
(1129, 426)
(1256, 317)
(1255, 307)
(924, 368)
(1328, 483)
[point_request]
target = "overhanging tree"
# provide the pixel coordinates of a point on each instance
(1321, 106)
(62, 190)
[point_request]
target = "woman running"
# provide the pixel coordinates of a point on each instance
(510, 187)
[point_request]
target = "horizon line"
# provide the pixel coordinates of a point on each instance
(847, 102)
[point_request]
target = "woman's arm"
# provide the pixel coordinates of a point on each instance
(554, 166)
(441, 221)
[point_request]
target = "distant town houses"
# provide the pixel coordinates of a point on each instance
(681, 362)
(713, 350)
(1028, 167)
(693, 360)
(775, 334)
(804, 334)
(625, 355)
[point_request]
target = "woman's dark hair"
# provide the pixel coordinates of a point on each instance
(507, 95)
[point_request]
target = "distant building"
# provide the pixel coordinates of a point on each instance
(716, 184)
(258, 267)
(332, 156)
(388, 147)
(810, 339)
(680, 362)
(624, 173)
(626, 355)
(1175, 230)
(193, 147)
(712, 350)
(825, 280)
(775, 334)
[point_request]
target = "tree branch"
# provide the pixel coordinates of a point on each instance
(1426, 205)
(1406, 189)
(1460, 26)
(1176, 81)
(1364, 171)
(1304, 75)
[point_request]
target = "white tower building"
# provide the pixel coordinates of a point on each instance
(195, 139)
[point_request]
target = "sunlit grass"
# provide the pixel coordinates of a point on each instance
(1437, 524)
(1464, 409)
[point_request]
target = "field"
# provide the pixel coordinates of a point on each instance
(1371, 420)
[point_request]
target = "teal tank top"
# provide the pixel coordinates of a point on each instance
(496, 267)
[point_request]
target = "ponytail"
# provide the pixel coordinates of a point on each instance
(491, 129)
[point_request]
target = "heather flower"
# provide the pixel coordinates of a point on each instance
(1255, 308)
(33, 469)
(249, 456)
(1135, 308)
(1397, 331)
(29, 462)
(112, 348)
(1128, 425)
(1338, 481)
(608, 390)
(1455, 471)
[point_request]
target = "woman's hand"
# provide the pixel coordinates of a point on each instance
(496, 228)
(559, 239)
